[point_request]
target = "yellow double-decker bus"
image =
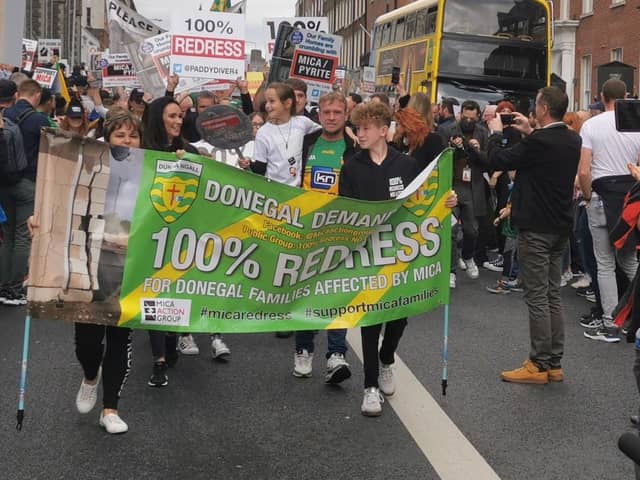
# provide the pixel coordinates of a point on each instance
(484, 50)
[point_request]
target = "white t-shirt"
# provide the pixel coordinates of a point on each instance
(611, 150)
(280, 147)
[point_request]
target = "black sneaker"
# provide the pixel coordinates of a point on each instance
(159, 376)
(603, 334)
(15, 298)
(591, 320)
(585, 291)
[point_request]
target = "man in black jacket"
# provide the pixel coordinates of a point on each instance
(546, 163)
(323, 154)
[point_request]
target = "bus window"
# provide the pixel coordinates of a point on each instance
(518, 19)
(431, 21)
(421, 24)
(410, 29)
(386, 34)
(377, 36)
(399, 37)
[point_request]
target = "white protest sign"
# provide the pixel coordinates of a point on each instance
(208, 45)
(29, 48)
(319, 24)
(118, 71)
(157, 49)
(368, 85)
(45, 76)
(315, 60)
(48, 47)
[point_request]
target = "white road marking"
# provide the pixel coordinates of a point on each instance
(452, 456)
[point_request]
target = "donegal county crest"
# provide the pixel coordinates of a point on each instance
(175, 187)
(421, 202)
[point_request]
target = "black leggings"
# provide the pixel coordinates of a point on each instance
(115, 359)
(370, 335)
(162, 342)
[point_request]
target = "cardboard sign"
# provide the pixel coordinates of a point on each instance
(49, 47)
(45, 76)
(318, 24)
(208, 45)
(118, 71)
(315, 61)
(29, 48)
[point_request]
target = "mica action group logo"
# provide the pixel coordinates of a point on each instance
(165, 311)
(175, 188)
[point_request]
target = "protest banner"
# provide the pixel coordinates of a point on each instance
(128, 30)
(48, 48)
(368, 84)
(318, 24)
(118, 71)
(208, 45)
(140, 239)
(29, 49)
(45, 76)
(315, 60)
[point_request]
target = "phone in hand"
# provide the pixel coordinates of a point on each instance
(507, 118)
(395, 75)
(627, 113)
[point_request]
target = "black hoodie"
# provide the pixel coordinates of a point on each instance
(363, 179)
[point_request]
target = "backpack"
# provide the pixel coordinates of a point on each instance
(15, 162)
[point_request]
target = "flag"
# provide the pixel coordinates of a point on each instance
(221, 5)
(64, 91)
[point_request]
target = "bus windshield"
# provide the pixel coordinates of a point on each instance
(521, 19)
(485, 94)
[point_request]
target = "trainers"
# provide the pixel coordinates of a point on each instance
(187, 345)
(584, 291)
(337, 369)
(452, 280)
(15, 299)
(159, 376)
(303, 363)
(585, 281)
(556, 374)
(461, 264)
(565, 278)
(219, 349)
(590, 297)
(386, 380)
(499, 288)
(591, 321)
(472, 269)
(88, 394)
(513, 285)
(5, 294)
(112, 423)
(603, 334)
(528, 373)
(372, 402)
(491, 266)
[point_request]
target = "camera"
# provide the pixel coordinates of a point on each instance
(507, 118)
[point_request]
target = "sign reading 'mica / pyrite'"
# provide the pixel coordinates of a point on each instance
(144, 240)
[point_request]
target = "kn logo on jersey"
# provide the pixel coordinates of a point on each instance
(323, 178)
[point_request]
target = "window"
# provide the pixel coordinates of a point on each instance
(400, 29)
(585, 82)
(587, 6)
(616, 54)
(88, 17)
(617, 3)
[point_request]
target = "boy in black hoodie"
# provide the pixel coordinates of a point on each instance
(377, 172)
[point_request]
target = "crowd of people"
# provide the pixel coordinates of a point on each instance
(534, 197)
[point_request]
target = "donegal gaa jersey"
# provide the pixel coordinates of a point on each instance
(323, 166)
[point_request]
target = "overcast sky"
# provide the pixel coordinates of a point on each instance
(257, 11)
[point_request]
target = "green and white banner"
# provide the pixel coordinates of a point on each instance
(150, 241)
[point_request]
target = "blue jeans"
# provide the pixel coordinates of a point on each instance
(336, 341)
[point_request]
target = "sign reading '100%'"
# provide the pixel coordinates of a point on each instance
(205, 252)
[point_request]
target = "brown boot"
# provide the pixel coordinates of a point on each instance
(556, 374)
(528, 373)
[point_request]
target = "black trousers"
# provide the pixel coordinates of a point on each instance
(162, 342)
(392, 333)
(115, 359)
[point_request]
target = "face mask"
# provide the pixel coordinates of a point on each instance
(120, 153)
(467, 126)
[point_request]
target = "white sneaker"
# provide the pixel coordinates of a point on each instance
(372, 402)
(452, 280)
(219, 349)
(585, 281)
(472, 269)
(88, 394)
(302, 364)
(337, 369)
(461, 264)
(187, 345)
(386, 381)
(112, 423)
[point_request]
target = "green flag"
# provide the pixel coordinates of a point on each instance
(221, 5)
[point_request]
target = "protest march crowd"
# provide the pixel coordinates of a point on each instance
(549, 200)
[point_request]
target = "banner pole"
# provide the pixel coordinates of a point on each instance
(23, 373)
(445, 351)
